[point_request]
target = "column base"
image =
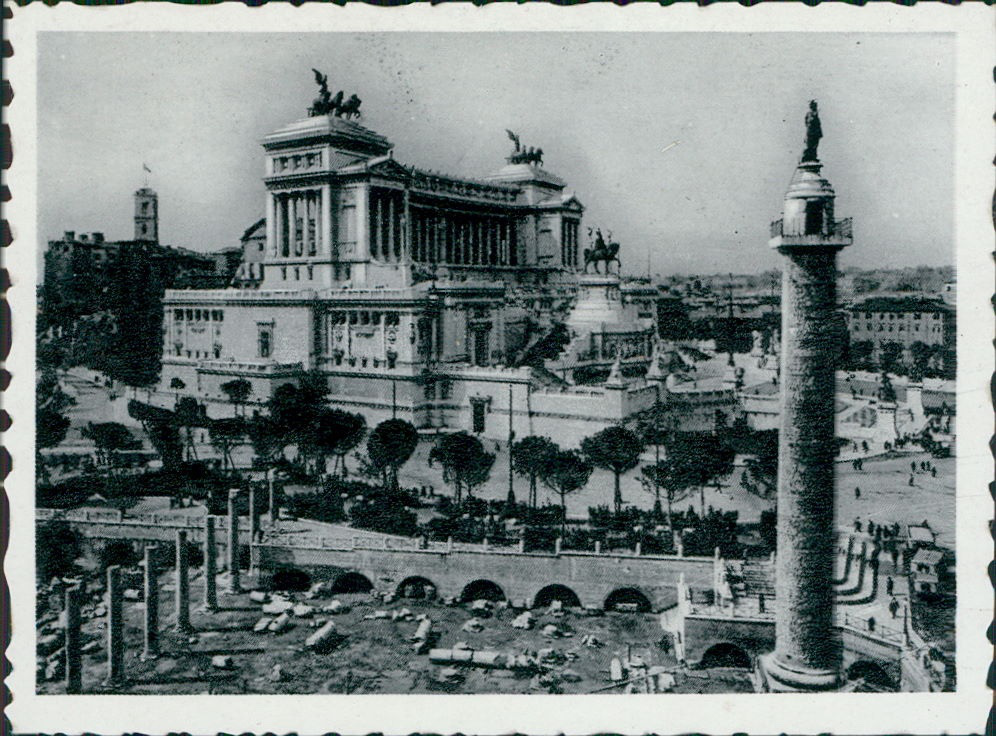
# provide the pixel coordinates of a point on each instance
(777, 677)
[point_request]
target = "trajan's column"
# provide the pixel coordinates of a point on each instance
(807, 648)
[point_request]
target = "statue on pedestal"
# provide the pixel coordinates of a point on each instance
(326, 104)
(601, 251)
(521, 154)
(813, 133)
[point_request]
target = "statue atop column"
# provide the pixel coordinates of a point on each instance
(813, 133)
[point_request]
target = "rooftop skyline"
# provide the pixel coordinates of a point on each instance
(684, 160)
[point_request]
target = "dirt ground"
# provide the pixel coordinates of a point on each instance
(375, 655)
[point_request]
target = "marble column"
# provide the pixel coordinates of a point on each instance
(74, 641)
(233, 542)
(210, 565)
(807, 652)
(271, 490)
(115, 626)
(151, 641)
(182, 583)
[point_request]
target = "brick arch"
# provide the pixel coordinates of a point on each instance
(725, 654)
(482, 588)
(351, 581)
(629, 596)
(555, 591)
(290, 579)
(417, 586)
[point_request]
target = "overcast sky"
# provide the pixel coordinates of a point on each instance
(604, 107)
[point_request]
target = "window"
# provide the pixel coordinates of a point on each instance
(297, 273)
(311, 273)
(283, 273)
(265, 340)
(178, 314)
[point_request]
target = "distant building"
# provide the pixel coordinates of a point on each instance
(249, 274)
(905, 321)
(79, 269)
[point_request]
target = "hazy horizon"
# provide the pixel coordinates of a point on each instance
(682, 159)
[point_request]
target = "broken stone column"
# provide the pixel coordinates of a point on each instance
(151, 644)
(74, 641)
(182, 583)
(210, 565)
(598, 547)
(233, 541)
(253, 514)
(115, 626)
(272, 498)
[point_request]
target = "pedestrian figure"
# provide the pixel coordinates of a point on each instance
(871, 623)
(857, 492)
(857, 523)
(893, 607)
(889, 582)
(761, 602)
(911, 479)
(912, 467)
(933, 472)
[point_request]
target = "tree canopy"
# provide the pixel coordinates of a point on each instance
(616, 449)
(530, 456)
(466, 464)
(566, 472)
(389, 446)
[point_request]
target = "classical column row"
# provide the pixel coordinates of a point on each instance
(299, 219)
(116, 644)
(482, 241)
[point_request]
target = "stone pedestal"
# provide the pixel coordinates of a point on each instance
(182, 583)
(74, 641)
(115, 626)
(210, 565)
(151, 643)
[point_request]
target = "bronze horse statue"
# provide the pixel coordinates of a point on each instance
(601, 252)
(326, 104)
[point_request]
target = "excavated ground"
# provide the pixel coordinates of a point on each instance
(374, 655)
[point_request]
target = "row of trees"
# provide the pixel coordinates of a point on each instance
(925, 360)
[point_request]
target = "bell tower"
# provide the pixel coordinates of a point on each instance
(146, 215)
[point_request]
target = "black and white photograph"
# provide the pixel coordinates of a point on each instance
(503, 363)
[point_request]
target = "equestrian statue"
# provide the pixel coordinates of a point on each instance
(326, 104)
(521, 154)
(601, 252)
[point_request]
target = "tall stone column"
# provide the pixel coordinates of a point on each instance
(807, 649)
(233, 541)
(253, 514)
(210, 565)
(151, 642)
(74, 641)
(182, 583)
(272, 498)
(115, 626)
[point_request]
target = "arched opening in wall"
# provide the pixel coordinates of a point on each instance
(417, 587)
(480, 590)
(290, 579)
(870, 677)
(556, 592)
(628, 600)
(352, 582)
(725, 655)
